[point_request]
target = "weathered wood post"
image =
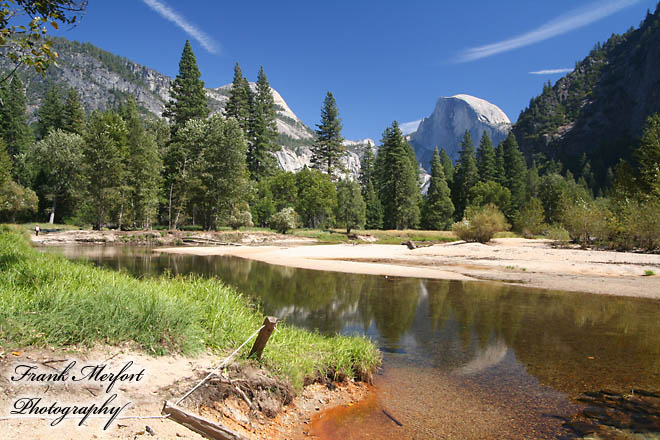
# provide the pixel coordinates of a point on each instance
(262, 338)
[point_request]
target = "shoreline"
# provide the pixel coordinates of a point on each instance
(531, 263)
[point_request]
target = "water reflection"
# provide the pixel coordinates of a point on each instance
(569, 342)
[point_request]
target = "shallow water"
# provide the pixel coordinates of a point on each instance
(460, 359)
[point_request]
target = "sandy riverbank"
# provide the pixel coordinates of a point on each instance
(534, 263)
(164, 378)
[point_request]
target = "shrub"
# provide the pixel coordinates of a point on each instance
(284, 220)
(240, 217)
(587, 221)
(557, 232)
(530, 220)
(480, 223)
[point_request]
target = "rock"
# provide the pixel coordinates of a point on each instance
(446, 126)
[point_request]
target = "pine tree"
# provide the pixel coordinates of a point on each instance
(328, 147)
(486, 162)
(438, 207)
(447, 167)
(50, 113)
(73, 113)
(374, 209)
(263, 132)
(516, 174)
(240, 95)
(648, 156)
(143, 169)
(500, 173)
(351, 208)
(188, 98)
(465, 176)
(104, 158)
(398, 180)
(16, 132)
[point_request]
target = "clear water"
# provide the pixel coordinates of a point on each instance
(460, 359)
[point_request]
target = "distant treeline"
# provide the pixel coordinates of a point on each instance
(118, 169)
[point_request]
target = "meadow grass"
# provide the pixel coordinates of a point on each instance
(46, 300)
(382, 237)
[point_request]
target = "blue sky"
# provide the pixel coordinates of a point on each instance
(382, 60)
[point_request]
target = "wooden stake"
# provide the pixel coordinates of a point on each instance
(264, 335)
(200, 425)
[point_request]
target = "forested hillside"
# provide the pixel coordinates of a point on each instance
(599, 108)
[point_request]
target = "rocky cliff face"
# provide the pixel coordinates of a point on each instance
(599, 109)
(446, 126)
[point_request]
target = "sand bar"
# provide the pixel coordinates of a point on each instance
(534, 263)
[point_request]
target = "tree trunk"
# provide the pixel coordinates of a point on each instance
(51, 220)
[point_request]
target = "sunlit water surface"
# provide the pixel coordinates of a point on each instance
(460, 359)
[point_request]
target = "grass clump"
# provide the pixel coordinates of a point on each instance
(46, 300)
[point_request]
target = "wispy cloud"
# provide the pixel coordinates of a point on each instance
(574, 19)
(551, 71)
(170, 14)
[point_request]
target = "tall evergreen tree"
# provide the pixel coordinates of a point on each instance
(500, 173)
(515, 173)
(188, 98)
(263, 132)
(398, 180)
(447, 167)
(486, 162)
(374, 209)
(240, 96)
(328, 147)
(73, 113)
(648, 156)
(15, 129)
(50, 113)
(438, 207)
(143, 169)
(466, 176)
(104, 158)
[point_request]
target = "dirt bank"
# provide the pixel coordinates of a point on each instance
(164, 378)
(535, 263)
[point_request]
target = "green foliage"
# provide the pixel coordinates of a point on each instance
(284, 220)
(367, 179)
(648, 156)
(351, 208)
(188, 98)
(46, 300)
(240, 217)
(515, 174)
(261, 161)
(50, 114)
(437, 209)
(16, 201)
(398, 180)
(530, 221)
(480, 223)
(316, 199)
(27, 43)
(240, 101)
(557, 232)
(59, 160)
(490, 192)
(587, 221)
(73, 118)
(328, 148)
(103, 160)
(143, 171)
(283, 189)
(486, 161)
(219, 177)
(466, 176)
(14, 128)
(447, 167)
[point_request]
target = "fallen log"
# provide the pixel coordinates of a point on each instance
(205, 427)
